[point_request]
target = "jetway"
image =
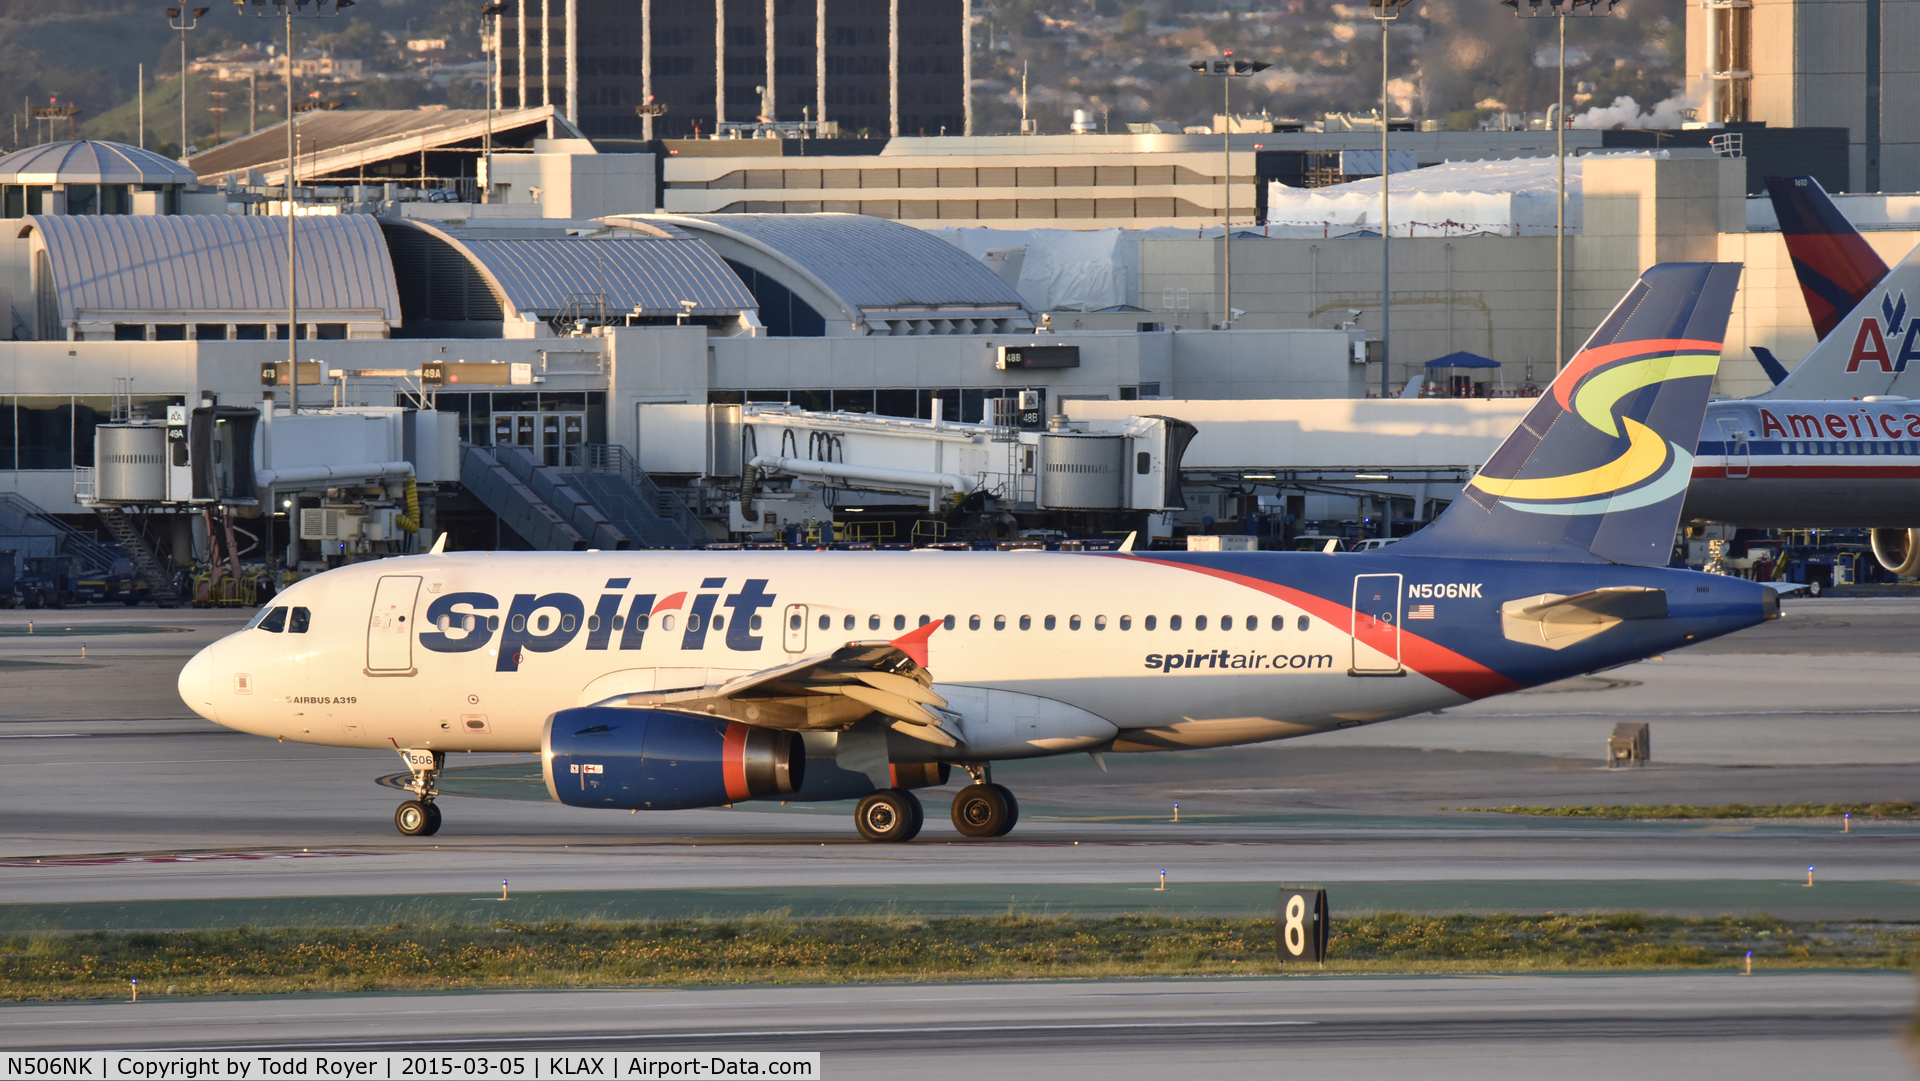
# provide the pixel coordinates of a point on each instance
(774, 465)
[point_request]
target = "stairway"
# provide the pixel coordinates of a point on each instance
(535, 501)
(655, 517)
(133, 544)
(20, 516)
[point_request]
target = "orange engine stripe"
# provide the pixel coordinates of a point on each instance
(733, 761)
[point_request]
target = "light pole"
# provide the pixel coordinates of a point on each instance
(288, 9)
(1384, 12)
(490, 44)
(183, 20)
(1227, 71)
(1559, 11)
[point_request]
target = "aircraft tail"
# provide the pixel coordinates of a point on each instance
(1835, 265)
(1871, 348)
(1598, 468)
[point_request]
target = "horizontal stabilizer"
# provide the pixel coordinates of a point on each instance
(1557, 622)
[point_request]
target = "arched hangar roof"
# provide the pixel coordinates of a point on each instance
(549, 276)
(91, 161)
(879, 276)
(214, 268)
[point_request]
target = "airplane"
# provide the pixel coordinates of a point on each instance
(666, 680)
(1830, 446)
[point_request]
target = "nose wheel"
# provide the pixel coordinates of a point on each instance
(419, 816)
(417, 819)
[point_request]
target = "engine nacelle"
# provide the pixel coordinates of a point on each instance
(1898, 550)
(658, 760)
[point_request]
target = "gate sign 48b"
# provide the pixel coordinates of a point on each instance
(1301, 926)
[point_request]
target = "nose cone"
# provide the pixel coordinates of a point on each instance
(196, 684)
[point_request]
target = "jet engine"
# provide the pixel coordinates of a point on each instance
(659, 760)
(1898, 550)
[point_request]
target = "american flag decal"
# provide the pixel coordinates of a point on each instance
(1420, 611)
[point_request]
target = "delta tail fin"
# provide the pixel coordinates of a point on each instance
(1836, 266)
(1871, 348)
(1598, 468)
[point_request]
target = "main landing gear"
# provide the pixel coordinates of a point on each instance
(889, 815)
(420, 816)
(984, 809)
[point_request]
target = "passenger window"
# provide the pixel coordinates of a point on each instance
(1148, 623)
(1303, 623)
(847, 623)
(752, 624)
(274, 620)
(1226, 623)
(924, 620)
(1173, 623)
(593, 623)
(826, 623)
(999, 623)
(947, 623)
(873, 623)
(566, 623)
(1279, 623)
(718, 623)
(899, 623)
(973, 623)
(493, 623)
(666, 622)
(1199, 623)
(693, 622)
(1126, 623)
(1253, 623)
(298, 621)
(620, 622)
(468, 622)
(1073, 623)
(793, 622)
(1099, 623)
(643, 622)
(1050, 622)
(1026, 623)
(519, 624)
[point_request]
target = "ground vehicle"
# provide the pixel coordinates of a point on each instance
(1372, 544)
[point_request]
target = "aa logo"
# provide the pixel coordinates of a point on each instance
(1870, 342)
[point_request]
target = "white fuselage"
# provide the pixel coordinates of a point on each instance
(1046, 654)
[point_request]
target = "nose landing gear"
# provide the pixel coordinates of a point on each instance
(420, 817)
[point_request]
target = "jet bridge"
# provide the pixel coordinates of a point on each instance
(794, 464)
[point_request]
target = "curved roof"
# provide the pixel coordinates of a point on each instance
(217, 264)
(91, 161)
(641, 275)
(878, 268)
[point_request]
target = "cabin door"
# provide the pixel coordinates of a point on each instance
(390, 628)
(1376, 625)
(1737, 456)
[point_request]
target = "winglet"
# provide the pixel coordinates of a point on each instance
(1127, 545)
(1770, 364)
(914, 642)
(439, 546)
(1333, 545)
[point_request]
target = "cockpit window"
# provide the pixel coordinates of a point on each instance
(299, 621)
(274, 620)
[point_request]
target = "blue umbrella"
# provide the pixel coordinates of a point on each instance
(1463, 359)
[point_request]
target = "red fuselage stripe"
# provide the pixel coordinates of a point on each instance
(1457, 673)
(1812, 472)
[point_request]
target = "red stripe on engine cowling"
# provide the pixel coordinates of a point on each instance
(1454, 671)
(733, 761)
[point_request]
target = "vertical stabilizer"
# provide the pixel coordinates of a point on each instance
(1870, 350)
(1834, 263)
(1597, 470)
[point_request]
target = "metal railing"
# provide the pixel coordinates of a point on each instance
(615, 460)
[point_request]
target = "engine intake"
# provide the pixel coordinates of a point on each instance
(1897, 550)
(658, 760)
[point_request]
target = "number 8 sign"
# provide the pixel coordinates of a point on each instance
(1301, 925)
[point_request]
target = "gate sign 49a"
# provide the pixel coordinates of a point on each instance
(1301, 925)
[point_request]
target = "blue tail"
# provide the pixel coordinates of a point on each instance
(1597, 470)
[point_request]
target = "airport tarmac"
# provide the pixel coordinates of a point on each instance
(1684, 1027)
(117, 808)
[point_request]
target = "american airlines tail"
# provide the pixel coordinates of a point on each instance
(1870, 349)
(1597, 470)
(1836, 266)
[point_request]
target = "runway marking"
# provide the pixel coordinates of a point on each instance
(47, 735)
(1699, 713)
(210, 857)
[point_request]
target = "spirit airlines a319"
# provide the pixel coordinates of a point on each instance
(662, 680)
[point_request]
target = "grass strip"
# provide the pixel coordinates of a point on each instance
(1897, 809)
(775, 948)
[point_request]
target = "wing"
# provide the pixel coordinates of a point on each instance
(827, 691)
